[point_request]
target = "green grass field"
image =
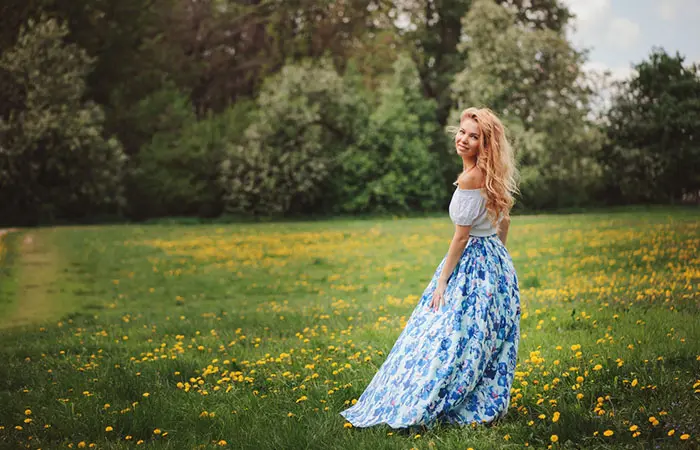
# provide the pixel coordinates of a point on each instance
(256, 336)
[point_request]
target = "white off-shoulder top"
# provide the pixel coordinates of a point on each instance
(468, 207)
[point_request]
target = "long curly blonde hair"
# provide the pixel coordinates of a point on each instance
(496, 159)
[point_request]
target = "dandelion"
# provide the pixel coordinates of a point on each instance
(108, 429)
(685, 437)
(347, 425)
(555, 416)
(554, 438)
(608, 433)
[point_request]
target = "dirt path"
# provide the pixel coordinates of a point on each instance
(37, 269)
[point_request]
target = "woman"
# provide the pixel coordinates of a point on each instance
(455, 359)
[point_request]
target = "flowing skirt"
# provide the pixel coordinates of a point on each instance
(454, 365)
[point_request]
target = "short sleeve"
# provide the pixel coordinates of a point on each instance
(465, 207)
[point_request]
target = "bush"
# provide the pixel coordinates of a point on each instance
(54, 160)
(303, 120)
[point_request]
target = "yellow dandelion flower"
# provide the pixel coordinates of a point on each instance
(608, 433)
(108, 429)
(555, 416)
(554, 438)
(685, 437)
(347, 425)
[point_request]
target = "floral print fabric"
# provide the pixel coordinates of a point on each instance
(456, 364)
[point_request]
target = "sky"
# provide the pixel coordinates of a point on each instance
(619, 33)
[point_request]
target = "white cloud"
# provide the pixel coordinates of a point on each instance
(671, 9)
(596, 26)
(587, 11)
(623, 33)
(667, 9)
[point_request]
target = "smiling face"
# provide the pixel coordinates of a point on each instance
(467, 139)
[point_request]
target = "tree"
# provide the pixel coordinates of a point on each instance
(532, 78)
(653, 153)
(54, 160)
(303, 119)
(391, 167)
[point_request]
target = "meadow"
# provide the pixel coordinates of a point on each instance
(255, 336)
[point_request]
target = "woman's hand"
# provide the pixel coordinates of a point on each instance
(438, 295)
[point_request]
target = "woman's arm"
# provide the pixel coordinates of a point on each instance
(459, 242)
(503, 229)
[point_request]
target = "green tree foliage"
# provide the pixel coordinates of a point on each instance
(653, 148)
(391, 167)
(532, 77)
(176, 172)
(54, 160)
(303, 119)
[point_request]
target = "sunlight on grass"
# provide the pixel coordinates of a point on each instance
(256, 336)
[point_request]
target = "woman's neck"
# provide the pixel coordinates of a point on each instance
(468, 164)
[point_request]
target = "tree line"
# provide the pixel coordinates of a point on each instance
(134, 109)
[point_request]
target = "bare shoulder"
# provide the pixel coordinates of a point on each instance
(472, 180)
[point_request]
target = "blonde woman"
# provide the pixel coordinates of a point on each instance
(454, 361)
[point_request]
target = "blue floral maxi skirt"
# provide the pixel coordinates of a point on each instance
(454, 365)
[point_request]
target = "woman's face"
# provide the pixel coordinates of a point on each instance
(467, 139)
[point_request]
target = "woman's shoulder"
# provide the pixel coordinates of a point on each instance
(472, 180)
